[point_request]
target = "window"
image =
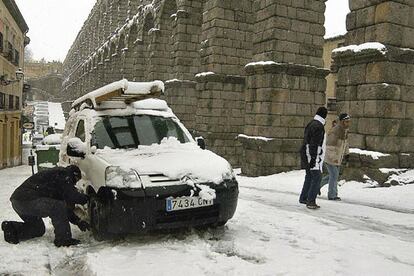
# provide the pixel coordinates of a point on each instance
(132, 131)
(1, 42)
(16, 57)
(80, 130)
(17, 101)
(11, 105)
(2, 100)
(10, 51)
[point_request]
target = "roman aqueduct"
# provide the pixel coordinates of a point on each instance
(255, 68)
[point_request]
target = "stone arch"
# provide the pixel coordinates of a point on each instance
(112, 55)
(120, 57)
(163, 63)
(149, 15)
(112, 48)
(121, 43)
(135, 55)
(106, 64)
(132, 8)
(99, 68)
(88, 73)
(132, 35)
(148, 24)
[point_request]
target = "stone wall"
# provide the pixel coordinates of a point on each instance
(376, 83)
(200, 49)
(283, 93)
(45, 88)
(220, 114)
(281, 99)
(38, 69)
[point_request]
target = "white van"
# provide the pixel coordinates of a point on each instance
(141, 167)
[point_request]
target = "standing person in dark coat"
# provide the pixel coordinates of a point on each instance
(312, 156)
(50, 193)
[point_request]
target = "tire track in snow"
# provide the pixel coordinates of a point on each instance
(364, 223)
(349, 201)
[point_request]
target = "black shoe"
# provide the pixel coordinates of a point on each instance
(303, 201)
(66, 243)
(10, 235)
(337, 198)
(312, 205)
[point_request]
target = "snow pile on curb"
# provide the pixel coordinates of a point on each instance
(402, 177)
(203, 74)
(374, 154)
(262, 63)
(53, 139)
(254, 137)
(363, 47)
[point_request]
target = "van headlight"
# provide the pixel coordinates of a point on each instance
(118, 178)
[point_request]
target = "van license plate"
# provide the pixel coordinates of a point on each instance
(187, 202)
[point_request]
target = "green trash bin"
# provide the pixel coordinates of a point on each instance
(47, 157)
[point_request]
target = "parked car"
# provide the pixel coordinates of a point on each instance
(141, 167)
(37, 139)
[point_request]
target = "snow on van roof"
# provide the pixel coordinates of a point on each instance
(122, 90)
(152, 104)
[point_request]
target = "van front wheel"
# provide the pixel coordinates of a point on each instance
(98, 219)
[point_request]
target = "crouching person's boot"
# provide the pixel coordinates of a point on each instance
(10, 234)
(68, 242)
(60, 221)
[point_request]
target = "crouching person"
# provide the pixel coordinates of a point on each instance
(50, 193)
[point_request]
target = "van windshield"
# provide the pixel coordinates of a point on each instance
(132, 131)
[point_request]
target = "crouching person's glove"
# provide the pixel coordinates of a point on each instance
(83, 226)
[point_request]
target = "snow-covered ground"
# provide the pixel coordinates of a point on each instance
(56, 116)
(371, 232)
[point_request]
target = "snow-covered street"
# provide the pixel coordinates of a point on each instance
(371, 232)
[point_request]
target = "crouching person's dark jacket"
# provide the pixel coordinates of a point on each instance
(57, 183)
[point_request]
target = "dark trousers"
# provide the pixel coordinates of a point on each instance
(311, 185)
(32, 212)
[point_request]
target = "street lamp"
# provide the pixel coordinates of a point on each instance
(19, 77)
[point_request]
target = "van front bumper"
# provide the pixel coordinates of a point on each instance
(141, 212)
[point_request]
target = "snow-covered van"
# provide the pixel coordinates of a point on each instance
(141, 167)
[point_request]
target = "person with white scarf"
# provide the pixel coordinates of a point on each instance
(312, 158)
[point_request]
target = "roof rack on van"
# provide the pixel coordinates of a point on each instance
(122, 91)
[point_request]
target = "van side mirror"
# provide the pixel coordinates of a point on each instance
(76, 148)
(201, 142)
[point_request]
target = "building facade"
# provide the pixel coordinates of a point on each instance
(38, 69)
(13, 39)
